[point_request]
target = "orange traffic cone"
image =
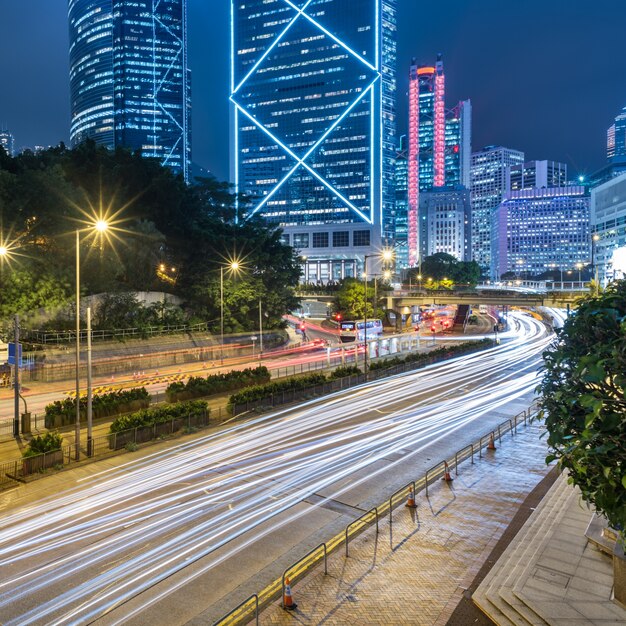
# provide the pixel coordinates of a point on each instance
(492, 444)
(288, 602)
(410, 503)
(446, 474)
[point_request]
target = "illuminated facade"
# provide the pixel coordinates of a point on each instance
(313, 92)
(489, 181)
(444, 217)
(608, 222)
(616, 139)
(401, 208)
(537, 174)
(129, 80)
(539, 229)
(439, 143)
(7, 142)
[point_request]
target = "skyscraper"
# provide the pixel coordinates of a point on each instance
(7, 142)
(489, 181)
(439, 142)
(444, 218)
(401, 176)
(313, 93)
(616, 139)
(539, 229)
(537, 174)
(129, 80)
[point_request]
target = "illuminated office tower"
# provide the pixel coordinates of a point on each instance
(7, 142)
(313, 94)
(616, 139)
(537, 174)
(439, 142)
(129, 80)
(401, 174)
(539, 229)
(489, 181)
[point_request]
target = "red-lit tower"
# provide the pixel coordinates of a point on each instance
(427, 141)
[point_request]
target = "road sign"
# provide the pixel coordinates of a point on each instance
(11, 360)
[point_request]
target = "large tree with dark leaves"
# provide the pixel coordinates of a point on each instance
(583, 396)
(44, 197)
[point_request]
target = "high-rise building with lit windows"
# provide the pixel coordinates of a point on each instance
(439, 142)
(7, 142)
(401, 208)
(489, 181)
(313, 102)
(616, 139)
(537, 174)
(540, 229)
(129, 80)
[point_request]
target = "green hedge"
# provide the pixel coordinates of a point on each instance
(199, 387)
(343, 371)
(48, 442)
(250, 394)
(442, 353)
(63, 412)
(158, 415)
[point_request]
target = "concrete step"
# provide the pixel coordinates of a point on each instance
(514, 559)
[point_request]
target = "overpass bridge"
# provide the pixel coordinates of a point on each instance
(402, 301)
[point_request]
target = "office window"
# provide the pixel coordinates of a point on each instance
(301, 240)
(320, 240)
(341, 239)
(284, 238)
(361, 238)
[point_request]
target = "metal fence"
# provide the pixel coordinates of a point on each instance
(295, 395)
(244, 612)
(21, 470)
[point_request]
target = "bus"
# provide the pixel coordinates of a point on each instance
(351, 331)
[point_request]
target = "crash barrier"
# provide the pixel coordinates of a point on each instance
(244, 612)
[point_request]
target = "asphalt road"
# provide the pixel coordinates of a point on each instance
(169, 535)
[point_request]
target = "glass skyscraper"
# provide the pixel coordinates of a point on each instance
(129, 80)
(313, 91)
(439, 145)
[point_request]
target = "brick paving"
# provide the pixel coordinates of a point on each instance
(417, 570)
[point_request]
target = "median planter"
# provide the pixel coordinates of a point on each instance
(619, 573)
(41, 462)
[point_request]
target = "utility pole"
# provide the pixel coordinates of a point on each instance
(16, 378)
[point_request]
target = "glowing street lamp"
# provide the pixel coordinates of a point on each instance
(233, 266)
(100, 226)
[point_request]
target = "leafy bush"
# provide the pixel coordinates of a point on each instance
(583, 401)
(62, 412)
(48, 442)
(158, 415)
(198, 387)
(345, 370)
(250, 394)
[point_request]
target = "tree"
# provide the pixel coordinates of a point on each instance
(442, 267)
(349, 300)
(583, 399)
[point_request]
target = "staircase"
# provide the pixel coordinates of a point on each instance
(462, 313)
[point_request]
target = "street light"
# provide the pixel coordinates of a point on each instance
(579, 267)
(594, 239)
(100, 226)
(233, 266)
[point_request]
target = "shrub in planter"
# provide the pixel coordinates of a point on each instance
(159, 415)
(345, 370)
(258, 392)
(63, 412)
(198, 386)
(48, 442)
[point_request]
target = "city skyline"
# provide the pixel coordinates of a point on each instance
(35, 105)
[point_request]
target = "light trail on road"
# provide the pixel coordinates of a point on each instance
(78, 555)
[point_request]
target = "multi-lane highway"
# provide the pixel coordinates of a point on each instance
(164, 536)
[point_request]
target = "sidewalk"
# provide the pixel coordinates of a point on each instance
(416, 570)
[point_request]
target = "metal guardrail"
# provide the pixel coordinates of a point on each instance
(306, 564)
(20, 470)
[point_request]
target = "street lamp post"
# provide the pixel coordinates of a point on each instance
(260, 330)
(100, 226)
(579, 267)
(234, 266)
(594, 239)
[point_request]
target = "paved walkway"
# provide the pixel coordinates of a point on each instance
(416, 571)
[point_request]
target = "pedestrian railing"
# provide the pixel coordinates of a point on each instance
(19, 470)
(302, 567)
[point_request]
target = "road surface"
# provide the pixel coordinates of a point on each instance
(163, 537)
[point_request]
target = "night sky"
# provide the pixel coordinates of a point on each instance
(544, 76)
